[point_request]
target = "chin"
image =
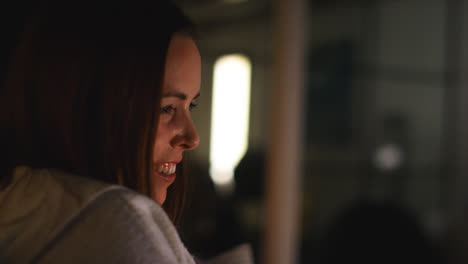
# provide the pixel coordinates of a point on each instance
(160, 196)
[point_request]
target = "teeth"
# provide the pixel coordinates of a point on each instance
(166, 168)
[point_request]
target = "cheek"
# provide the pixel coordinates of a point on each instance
(161, 140)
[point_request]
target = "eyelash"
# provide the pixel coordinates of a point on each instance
(170, 109)
(167, 109)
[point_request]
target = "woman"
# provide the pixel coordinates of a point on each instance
(95, 120)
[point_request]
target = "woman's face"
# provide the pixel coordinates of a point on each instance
(176, 131)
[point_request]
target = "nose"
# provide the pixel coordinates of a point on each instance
(186, 135)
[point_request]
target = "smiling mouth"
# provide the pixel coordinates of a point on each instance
(167, 168)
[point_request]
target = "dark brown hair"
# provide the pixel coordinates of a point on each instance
(82, 92)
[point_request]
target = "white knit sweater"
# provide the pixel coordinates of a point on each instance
(47, 216)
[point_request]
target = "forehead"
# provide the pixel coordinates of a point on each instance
(183, 65)
(182, 46)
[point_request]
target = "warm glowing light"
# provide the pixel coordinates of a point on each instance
(230, 116)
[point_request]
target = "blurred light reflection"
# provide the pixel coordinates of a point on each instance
(229, 118)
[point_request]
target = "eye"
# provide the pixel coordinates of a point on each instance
(168, 109)
(193, 105)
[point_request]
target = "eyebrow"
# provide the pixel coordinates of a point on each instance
(179, 95)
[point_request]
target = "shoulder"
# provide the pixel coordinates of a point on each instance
(118, 226)
(36, 204)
